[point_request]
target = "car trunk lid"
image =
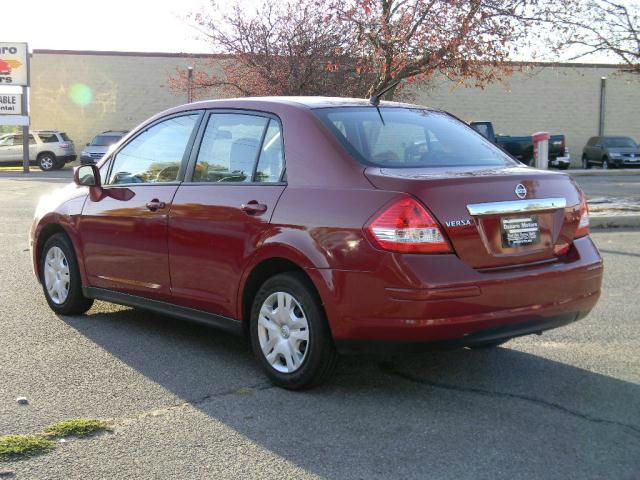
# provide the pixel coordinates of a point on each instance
(488, 224)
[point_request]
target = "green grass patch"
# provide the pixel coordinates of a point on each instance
(79, 427)
(15, 446)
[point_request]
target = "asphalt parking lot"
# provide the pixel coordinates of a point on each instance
(189, 402)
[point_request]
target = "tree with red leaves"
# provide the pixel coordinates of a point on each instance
(359, 47)
(282, 48)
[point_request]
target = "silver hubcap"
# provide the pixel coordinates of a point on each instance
(56, 275)
(605, 164)
(46, 163)
(283, 332)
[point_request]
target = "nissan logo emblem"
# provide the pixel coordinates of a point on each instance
(521, 191)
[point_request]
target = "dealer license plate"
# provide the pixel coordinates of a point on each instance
(519, 232)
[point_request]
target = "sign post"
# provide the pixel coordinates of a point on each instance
(15, 71)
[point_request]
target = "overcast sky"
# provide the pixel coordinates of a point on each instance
(121, 25)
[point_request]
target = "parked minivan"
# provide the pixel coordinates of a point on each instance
(318, 226)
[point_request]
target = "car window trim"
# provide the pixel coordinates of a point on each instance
(191, 166)
(185, 155)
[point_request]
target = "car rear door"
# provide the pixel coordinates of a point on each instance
(222, 210)
(123, 227)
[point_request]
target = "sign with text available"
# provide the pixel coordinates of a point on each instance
(10, 104)
(14, 64)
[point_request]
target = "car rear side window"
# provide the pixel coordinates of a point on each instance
(230, 148)
(396, 137)
(271, 161)
(155, 155)
(48, 137)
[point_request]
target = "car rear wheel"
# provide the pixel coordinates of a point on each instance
(60, 277)
(605, 163)
(47, 162)
(585, 162)
(289, 333)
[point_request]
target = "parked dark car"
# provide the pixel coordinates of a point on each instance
(610, 152)
(315, 226)
(100, 145)
(522, 147)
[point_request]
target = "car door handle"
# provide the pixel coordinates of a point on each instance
(253, 208)
(155, 204)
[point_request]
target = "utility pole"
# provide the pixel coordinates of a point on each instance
(603, 91)
(189, 84)
(25, 111)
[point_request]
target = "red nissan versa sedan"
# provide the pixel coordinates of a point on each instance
(318, 226)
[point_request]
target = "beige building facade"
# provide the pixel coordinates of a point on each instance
(84, 93)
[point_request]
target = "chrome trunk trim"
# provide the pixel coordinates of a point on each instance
(516, 206)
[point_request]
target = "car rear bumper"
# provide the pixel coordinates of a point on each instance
(67, 158)
(435, 299)
(477, 338)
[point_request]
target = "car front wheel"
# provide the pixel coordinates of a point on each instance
(289, 333)
(60, 277)
(585, 163)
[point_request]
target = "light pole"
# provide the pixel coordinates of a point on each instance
(189, 84)
(603, 92)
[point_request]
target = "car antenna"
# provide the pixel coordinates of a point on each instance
(375, 99)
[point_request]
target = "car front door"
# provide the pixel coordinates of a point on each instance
(124, 229)
(221, 211)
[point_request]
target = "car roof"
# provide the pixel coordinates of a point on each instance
(308, 102)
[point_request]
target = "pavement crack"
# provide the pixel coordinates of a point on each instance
(196, 402)
(391, 370)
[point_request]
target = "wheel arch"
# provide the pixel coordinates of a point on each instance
(43, 234)
(260, 272)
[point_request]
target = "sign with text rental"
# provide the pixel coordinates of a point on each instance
(10, 104)
(13, 64)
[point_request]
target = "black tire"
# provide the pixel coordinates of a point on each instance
(75, 303)
(585, 162)
(47, 161)
(605, 164)
(320, 356)
(563, 167)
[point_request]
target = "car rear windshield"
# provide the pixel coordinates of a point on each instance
(396, 137)
(104, 140)
(619, 142)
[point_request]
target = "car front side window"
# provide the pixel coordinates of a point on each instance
(155, 155)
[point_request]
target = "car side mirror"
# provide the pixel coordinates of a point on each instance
(86, 176)
(87, 145)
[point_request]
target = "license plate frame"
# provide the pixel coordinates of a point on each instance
(521, 231)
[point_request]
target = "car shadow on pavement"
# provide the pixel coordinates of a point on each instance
(498, 413)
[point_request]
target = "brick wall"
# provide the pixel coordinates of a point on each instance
(118, 91)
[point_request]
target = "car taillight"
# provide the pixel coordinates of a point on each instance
(65, 145)
(406, 226)
(583, 225)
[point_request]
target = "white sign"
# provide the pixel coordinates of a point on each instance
(10, 104)
(13, 64)
(20, 120)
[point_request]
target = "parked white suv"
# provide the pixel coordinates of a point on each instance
(50, 149)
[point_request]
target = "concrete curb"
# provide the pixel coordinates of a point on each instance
(598, 172)
(620, 221)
